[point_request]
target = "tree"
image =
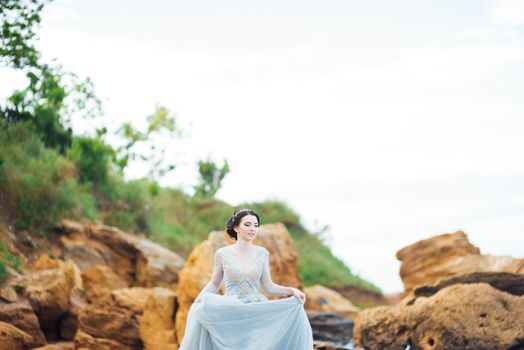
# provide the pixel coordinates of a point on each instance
(52, 96)
(211, 177)
(18, 21)
(160, 122)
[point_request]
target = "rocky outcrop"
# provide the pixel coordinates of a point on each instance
(331, 328)
(69, 322)
(199, 265)
(48, 291)
(431, 260)
(8, 294)
(504, 281)
(129, 318)
(156, 265)
(93, 304)
(100, 281)
(21, 315)
(157, 324)
(458, 317)
(13, 338)
(58, 346)
(111, 324)
(133, 299)
(137, 261)
(84, 341)
(323, 299)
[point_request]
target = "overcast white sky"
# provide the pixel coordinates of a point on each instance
(389, 121)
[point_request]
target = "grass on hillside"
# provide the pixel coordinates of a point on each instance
(6, 258)
(39, 186)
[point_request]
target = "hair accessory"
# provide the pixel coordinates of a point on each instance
(240, 211)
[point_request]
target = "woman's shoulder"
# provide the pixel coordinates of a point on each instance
(221, 250)
(262, 250)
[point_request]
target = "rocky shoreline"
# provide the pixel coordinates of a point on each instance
(101, 288)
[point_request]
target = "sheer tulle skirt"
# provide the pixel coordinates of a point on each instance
(224, 322)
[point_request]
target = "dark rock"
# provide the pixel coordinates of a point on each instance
(331, 327)
(511, 283)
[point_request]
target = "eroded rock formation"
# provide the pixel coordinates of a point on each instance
(428, 261)
(458, 317)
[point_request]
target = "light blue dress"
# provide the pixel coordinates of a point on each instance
(244, 319)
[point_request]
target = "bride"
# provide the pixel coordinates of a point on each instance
(244, 319)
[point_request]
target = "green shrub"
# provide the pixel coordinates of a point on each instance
(37, 185)
(6, 258)
(93, 158)
(3, 272)
(125, 204)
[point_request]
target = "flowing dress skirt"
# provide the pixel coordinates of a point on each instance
(226, 323)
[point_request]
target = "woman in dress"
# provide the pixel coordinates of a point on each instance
(244, 319)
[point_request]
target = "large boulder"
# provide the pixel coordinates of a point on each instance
(157, 324)
(8, 294)
(323, 299)
(156, 266)
(69, 322)
(48, 291)
(331, 328)
(21, 315)
(137, 261)
(133, 299)
(99, 281)
(117, 249)
(458, 317)
(199, 265)
(131, 318)
(12, 338)
(107, 323)
(428, 261)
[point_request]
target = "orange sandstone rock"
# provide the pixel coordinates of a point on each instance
(13, 338)
(458, 317)
(99, 281)
(323, 299)
(431, 260)
(157, 324)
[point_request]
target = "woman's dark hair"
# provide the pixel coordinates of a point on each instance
(235, 220)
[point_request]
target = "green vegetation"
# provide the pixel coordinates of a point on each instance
(37, 184)
(3, 272)
(47, 173)
(211, 177)
(6, 258)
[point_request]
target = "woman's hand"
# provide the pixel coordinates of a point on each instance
(298, 294)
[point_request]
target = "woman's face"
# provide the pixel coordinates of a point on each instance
(247, 228)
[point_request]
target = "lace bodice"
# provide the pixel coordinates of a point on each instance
(242, 276)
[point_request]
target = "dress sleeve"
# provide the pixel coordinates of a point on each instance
(218, 272)
(217, 275)
(266, 281)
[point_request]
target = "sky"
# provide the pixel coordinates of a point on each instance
(388, 121)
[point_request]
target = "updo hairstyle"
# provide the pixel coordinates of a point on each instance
(235, 220)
